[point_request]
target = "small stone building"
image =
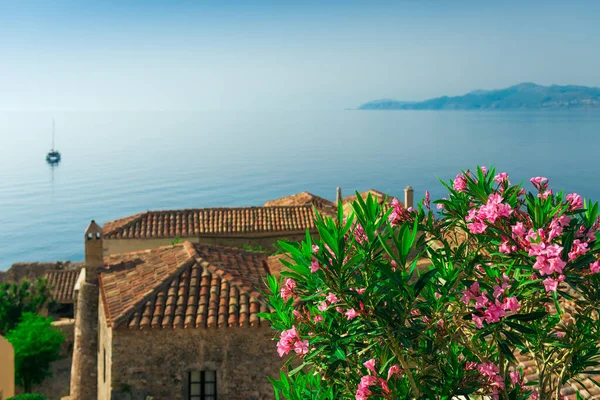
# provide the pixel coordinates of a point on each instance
(7, 369)
(174, 322)
(234, 227)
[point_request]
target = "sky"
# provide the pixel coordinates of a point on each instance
(292, 55)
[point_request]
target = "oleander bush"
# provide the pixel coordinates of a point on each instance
(511, 275)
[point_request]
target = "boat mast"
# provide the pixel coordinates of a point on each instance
(52, 134)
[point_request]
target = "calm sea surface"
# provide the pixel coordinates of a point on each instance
(120, 163)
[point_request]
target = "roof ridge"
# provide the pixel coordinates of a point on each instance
(125, 314)
(225, 208)
(134, 218)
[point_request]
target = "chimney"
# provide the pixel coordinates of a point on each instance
(84, 365)
(94, 252)
(408, 197)
(338, 195)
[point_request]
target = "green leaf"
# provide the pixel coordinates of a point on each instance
(340, 354)
(532, 316)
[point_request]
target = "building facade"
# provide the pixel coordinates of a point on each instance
(7, 369)
(232, 227)
(175, 322)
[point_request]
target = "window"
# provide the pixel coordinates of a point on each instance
(203, 385)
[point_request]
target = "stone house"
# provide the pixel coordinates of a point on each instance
(175, 322)
(234, 227)
(7, 369)
(62, 291)
(288, 218)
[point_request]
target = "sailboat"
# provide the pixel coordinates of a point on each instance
(53, 156)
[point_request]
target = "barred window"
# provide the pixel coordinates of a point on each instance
(203, 385)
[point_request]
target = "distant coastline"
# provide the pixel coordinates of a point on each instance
(524, 96)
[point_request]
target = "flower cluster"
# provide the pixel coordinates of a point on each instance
(289, 340)
(287, 290)
(490, 310)
(488, 212)
(363, 391)
(399, 214)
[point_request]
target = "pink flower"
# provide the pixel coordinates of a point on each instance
(501, 178)
(301, 347)
(440, 323)
(363, 392)
(314, 266)
(359, 291)
(287, 340)
(518, 230)
(359, 234)
(297, 314)
(437, 295)
(575, 201)
(322, 306)
(315, 249)
(511, 304)
(552, 284)
(460, 183)
(331, 298)
(481, 301)
(477, 227)
(494, 312)
(564, 220)
(288, 289)
(505, 210)
(427, 200)
(471, 294)
(505, 248)
(478, 321)
(439, 206)
(515, 377)
(394, 370)
(595, 267)
(499, 290)
(318, 318)
(579, 248)
(370, 365)
(492, 372)
(539, 182)
(351, 313)
(394, 265)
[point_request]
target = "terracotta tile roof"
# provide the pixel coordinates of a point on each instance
(304, 199)
(212, 222)
(62, 284)
(189, 285)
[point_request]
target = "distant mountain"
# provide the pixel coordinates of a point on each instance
(522, 96)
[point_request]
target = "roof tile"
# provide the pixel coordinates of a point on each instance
(187, 285)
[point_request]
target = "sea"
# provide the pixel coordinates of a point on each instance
(115, 164)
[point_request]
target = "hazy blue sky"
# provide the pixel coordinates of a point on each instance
(285, 54)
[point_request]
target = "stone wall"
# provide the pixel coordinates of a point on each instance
(33, 270)
(120, 246)
(156, 362)
(104, 354)
(85, 349)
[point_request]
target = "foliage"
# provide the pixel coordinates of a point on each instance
(28, 396)
(16, 299)
(358, 316)
(176, 240)
(36, 344)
